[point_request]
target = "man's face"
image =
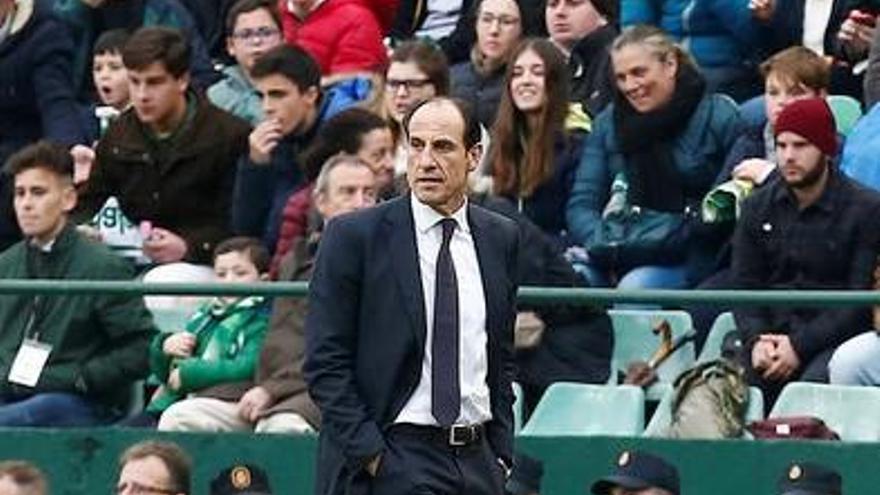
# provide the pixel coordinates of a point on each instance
(349, 188)
(800, 163)
(778, 93)
(439, 163)
(146, 475)
(42, 201)
(157, 96)
(568, 21)
(255, 33)
(111, 79)
(285, 103)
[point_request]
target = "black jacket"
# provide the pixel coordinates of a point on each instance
(590, 63)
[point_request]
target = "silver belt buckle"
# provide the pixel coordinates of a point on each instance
(458, 442)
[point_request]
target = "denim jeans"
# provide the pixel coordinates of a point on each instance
(50, 409)
(640, 277)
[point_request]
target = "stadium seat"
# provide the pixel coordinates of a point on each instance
(578, 409)
(712, 348)
(169, 320)
(851, 411)
(634, 340)
(847, 111)
(663, 414)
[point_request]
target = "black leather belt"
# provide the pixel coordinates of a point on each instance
(452, 436)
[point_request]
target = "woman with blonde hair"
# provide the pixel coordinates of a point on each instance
(653, 154)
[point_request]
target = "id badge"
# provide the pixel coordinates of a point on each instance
(29, 362)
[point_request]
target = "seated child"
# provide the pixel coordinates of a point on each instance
(213, 360)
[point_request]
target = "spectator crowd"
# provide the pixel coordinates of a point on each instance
(636, 144)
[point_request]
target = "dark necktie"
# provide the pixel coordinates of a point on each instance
(445, 394)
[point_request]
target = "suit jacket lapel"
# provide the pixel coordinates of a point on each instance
(490, 266)
(401, 236)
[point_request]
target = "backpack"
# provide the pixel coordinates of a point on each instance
(709, 401)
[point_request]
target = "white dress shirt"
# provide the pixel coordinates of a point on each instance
(473, 361)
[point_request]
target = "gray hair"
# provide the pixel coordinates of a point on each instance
(322, 183)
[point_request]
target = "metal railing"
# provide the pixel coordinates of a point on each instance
(531, 295)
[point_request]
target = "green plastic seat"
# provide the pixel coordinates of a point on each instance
(169, 320)
(847, 112)
(712, 348)
(634, 340)
(852, 411)
(662, 416)
(579, 409)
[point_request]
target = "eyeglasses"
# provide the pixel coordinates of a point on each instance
(135, 488)
(254, 35)
(505, 21)
(409, 84)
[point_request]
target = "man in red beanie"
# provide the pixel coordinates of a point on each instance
(811, 228)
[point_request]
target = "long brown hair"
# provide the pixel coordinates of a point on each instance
(523, 158)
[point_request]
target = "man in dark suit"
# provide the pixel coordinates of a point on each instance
(409, 336)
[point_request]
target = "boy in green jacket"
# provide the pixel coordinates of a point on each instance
(212, 361)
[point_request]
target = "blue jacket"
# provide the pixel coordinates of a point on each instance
(698, 152)
(718, 33)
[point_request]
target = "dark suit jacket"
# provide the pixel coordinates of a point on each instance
(365, 333)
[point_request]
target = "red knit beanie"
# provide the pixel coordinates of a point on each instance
(812, 120)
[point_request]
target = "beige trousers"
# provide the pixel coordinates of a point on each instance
(215, 415)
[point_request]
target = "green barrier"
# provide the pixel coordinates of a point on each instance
(532, 295)
(83, 462)
(728, 467)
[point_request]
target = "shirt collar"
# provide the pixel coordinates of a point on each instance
(826, 199)
(426, 217)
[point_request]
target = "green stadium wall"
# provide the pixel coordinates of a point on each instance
(83, 462)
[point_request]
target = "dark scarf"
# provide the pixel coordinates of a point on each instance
(646, 140)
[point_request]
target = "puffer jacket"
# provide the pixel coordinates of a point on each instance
(343, 36)
(698, 153)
